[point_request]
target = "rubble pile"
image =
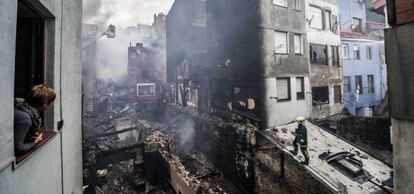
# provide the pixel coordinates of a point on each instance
(194, 170)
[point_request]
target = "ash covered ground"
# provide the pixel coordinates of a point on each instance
(116, 141)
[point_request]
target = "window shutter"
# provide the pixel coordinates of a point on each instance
(282, 88)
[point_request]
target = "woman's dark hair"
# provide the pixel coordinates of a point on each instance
(40, 94)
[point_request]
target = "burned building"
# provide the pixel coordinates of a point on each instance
(186, 45)
(258, 61)
(325, 66)
(159, 26)
(145, 76)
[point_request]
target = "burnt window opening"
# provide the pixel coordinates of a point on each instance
(335, 56)
(300, 88)
(283, 89)
(358, 84)
(34, 38)
(320, 95)
(318, 54)
(337, 94)
(244, 100)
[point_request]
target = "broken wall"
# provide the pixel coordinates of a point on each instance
(228, 145)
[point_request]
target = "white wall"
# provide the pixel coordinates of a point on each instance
(280, 113)
(41, 173)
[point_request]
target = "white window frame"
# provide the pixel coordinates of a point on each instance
(281, 3)
(281, 50)
(316, 14)
(345, 51)
(298, 40)
(146, 84)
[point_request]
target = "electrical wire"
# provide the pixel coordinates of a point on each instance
(60, 123)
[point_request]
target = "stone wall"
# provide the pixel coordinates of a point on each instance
(368, 133)
(278, 173)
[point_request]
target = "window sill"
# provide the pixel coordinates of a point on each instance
(283, 100)
(20, 159)
(280, 6)
(319, 65)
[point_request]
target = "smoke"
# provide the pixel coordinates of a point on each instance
(112, 54)
(123, 13)
(185, 132)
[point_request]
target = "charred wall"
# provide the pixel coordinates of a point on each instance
(234, 56)
(227, 145)
(277, 172)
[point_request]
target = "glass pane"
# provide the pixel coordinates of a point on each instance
(299, 84)
(298, 44)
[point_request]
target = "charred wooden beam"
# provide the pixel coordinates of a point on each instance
(104, 158)
(113, 133)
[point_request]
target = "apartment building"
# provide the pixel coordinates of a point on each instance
(322, 18)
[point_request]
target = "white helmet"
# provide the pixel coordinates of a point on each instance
(300, 120)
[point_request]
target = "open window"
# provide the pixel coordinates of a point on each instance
(318, 54)
(34, 59)
(320, 95)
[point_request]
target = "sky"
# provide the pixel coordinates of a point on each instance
(123, 13)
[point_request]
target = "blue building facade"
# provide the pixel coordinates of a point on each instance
(364, 69)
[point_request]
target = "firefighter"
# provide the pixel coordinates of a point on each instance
(301, 138)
